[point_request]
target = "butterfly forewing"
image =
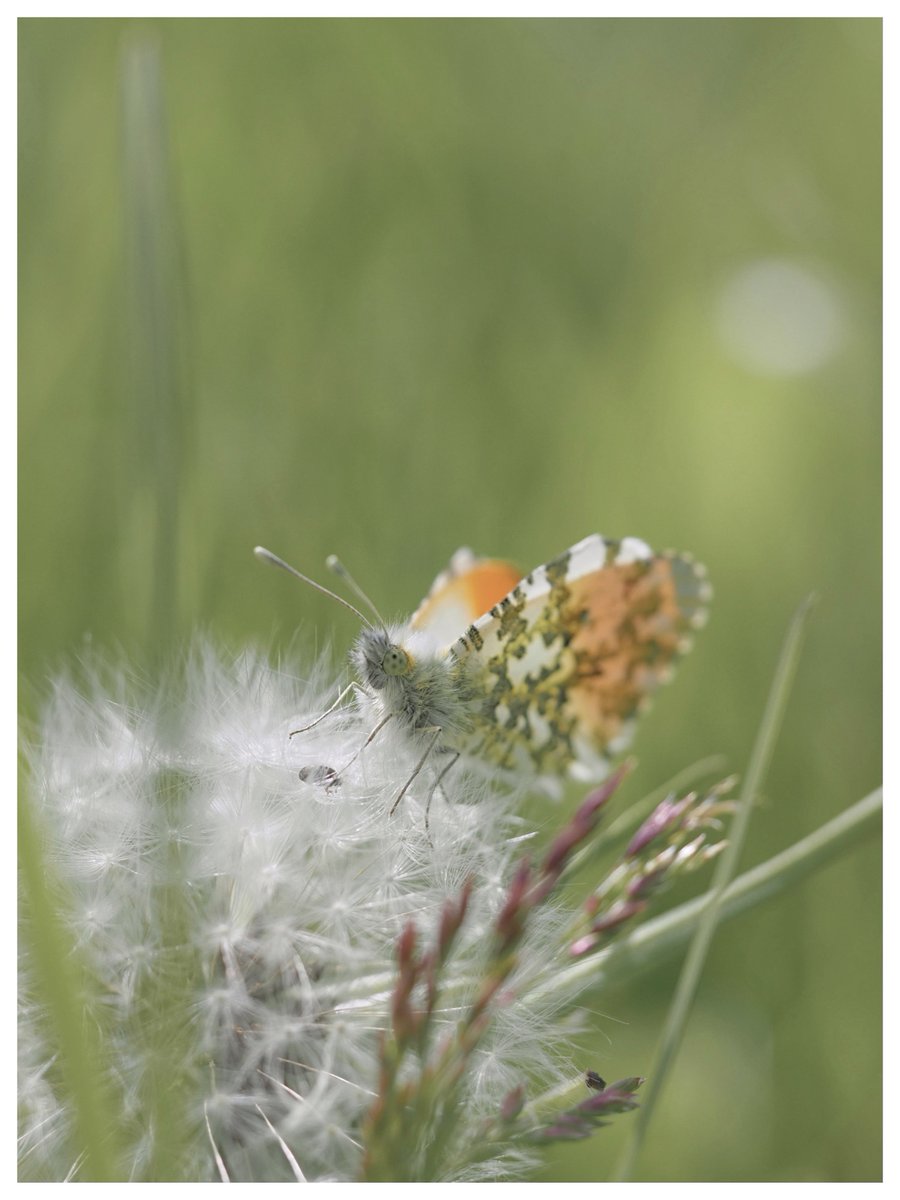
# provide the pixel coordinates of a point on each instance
(469, 587)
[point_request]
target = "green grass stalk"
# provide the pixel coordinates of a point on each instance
(65, 998)
(711, 912)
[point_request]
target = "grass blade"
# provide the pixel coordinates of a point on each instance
(62, 988)
(156, 294)
(712, 903)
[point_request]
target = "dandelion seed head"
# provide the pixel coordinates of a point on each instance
(293, 883)
(236, 889)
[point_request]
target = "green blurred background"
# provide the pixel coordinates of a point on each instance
(388, 287)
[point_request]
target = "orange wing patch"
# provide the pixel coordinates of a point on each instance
(466, 590)
(479, 588)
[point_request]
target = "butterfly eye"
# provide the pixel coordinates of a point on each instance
(395, 661)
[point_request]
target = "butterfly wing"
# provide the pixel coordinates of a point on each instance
(468, 588)
(566, 661)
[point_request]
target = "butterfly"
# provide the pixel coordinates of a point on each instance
(537, 677)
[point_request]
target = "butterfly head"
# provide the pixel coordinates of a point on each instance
(379, 659)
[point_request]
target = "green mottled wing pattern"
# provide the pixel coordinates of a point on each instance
(561, 667)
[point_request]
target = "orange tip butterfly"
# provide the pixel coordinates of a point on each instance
(538, 677)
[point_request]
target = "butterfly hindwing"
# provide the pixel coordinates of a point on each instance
(568, 658)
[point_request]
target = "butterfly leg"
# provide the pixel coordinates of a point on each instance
(436, 733)
(371, 738)
(434, 788)
(327, 713)
(330, 777)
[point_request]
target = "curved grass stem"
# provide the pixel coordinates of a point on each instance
(711, 912)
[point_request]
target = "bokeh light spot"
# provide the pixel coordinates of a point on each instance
(777, 317)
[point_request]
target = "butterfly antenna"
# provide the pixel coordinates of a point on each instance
(334, 564)
(267, 556)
